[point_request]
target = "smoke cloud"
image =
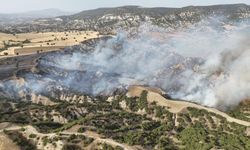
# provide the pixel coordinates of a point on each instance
(203, 63)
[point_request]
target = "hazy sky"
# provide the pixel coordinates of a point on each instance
(11, 6)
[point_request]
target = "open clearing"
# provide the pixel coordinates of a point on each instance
(6, 143)
(32, 43)
(177, 106)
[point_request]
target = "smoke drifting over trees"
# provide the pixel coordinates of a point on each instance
(205, 63)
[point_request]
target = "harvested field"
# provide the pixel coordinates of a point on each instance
(32, 43)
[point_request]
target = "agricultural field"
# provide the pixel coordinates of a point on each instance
(32, 43)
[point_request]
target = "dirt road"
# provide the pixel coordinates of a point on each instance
(29, 129)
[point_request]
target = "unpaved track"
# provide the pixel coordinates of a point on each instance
(90, 134)
(178, 106)
(98, 139)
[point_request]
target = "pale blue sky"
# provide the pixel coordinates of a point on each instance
(12, 6)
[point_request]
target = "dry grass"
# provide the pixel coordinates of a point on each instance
(30, 43)
(6, 143)
(177, 106)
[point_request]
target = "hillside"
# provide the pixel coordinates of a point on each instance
(126, 78)
(108, 20)
(141, 120)
(16, 18)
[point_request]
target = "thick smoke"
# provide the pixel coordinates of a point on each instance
(203, 63)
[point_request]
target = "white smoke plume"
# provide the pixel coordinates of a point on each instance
(203, 63)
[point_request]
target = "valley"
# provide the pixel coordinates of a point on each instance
(126, 78)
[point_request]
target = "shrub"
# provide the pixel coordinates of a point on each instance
(143, 102)
(81, 130)
(20, 140)
(32, 136)
(71, 147)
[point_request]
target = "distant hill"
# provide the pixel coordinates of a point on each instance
(46, 13)
(166, 17)
(109, 19)
(27, 16)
